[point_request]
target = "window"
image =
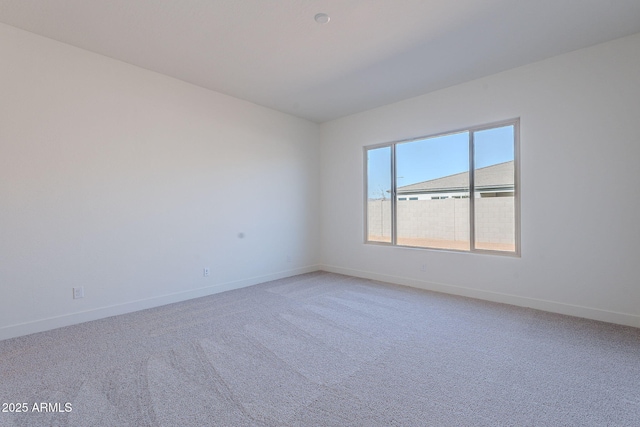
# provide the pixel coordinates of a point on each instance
(463, 188)
(379, 194)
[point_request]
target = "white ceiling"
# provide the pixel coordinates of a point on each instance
(371, 53)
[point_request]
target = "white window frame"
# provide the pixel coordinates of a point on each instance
(394, 200)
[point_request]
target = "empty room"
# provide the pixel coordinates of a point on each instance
(319, 213)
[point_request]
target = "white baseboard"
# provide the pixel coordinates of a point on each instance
(539, 304)
(42, 325)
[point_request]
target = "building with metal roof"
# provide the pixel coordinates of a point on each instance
(491, 181)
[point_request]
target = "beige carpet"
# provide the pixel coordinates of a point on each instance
(326, 350)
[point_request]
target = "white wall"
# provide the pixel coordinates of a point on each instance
(128, 183)
(580, 145)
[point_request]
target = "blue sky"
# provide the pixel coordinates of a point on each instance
(436, 157)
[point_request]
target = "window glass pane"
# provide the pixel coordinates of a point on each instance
(494, 189)
(433, 192)
(379, 195)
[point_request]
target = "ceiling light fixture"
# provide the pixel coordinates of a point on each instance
(322, 18)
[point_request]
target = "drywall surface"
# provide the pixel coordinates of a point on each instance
(580, 148)
(128, 183)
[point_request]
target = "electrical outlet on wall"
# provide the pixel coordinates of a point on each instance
(78, 292)
(205, 272)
